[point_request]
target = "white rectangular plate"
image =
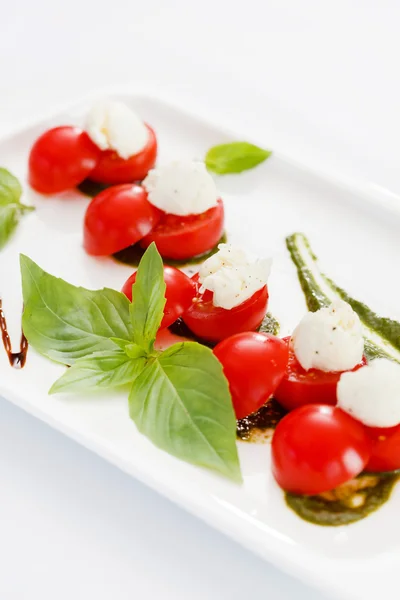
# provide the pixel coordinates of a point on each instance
(356, 237)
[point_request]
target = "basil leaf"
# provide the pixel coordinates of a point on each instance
(106, 369)
(235, 157)
(148, 299)
(65, 322)
(9, 216)
(10, 207)
(9, 186)
(181, 401)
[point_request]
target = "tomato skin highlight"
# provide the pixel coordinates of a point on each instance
(112, 169)
(180, 291)
(214, 324)
(117, 218)
(385, 452)
(300, 387)
(254, 364)
(60, 159)
(180, 238)
(317, 447)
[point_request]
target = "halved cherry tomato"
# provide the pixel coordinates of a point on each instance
(214, 324)
(117, 218)
(184, 237)
(317, 447)
(385, 453)
(60, 159)
(180, 291)
(300, 387)
(113, 169)
(254, 364)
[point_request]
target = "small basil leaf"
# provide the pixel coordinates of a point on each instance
(10, 186)
(10, 207)
(235, 157)
(148, 299)
(65, 322)
(9, 216)
(106, 369)
(181, 401)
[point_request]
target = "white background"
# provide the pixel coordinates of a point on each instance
(316, 79)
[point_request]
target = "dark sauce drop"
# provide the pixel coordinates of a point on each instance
(16, 359)
(259, 426)
(91, 188)
(131, 256)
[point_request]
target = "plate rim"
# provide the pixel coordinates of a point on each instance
(209, 509)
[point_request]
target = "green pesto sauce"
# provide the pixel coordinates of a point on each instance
(314, 296)
(387, 329)
(259, 426)
(340, 512)
(131, 256)
(269, 325)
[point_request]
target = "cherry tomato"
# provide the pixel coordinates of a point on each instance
(113, 169)
(385, 453)
(254, 364)
(184, 237)
(117, 218)
(180, 291)
(300, 387)
(214, 324)
(60, 159)
(317, 447)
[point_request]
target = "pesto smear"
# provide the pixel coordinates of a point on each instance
(346, 504)
(381, 334)
(359, 497)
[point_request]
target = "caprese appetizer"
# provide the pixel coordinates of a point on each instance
(229, 295)
(115, 146)
(318, 450)
(177, 207)
(325, 344)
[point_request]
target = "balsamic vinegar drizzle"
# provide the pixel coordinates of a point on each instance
(16, 359)
(259, 426)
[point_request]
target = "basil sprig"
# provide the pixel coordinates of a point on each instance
(235, 157)
(178, 398)
(11, 208)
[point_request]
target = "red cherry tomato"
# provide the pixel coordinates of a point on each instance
(117, 218)
(317, 447)
(180, 291)
(300, 387)
(60, 159)
(113, 169)
(184, 237)
(214, 324)
(254, 364)
(385, 453)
